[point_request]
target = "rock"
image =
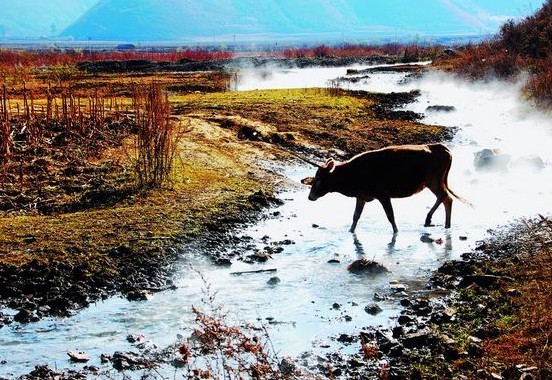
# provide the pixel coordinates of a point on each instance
(287, 366)
(491, 160)
(139, 295)
(346, 338)
(379, 297)
(475, 350)
(92, 369)
(482, 374)
(373, 308)
(222, 261)
(396, 351)
(123, 361)
(447, 340)
(274, 281)
(132, 338)
(529, 162)
(26, 316)
(405, 319)
(398, 331)
(426, 239)
(361, 266)
(482, 280)
(419, 339)
(307, 181)
(397, 288)
(78, 356)
(335, 259)
(520, 371)
(440, 108)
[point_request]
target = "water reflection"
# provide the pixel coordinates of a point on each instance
(359, 249)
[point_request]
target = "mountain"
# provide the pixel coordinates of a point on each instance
(223, 20)
(37, 18)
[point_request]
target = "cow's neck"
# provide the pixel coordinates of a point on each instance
(343, 181)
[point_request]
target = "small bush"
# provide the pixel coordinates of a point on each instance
(157, 138)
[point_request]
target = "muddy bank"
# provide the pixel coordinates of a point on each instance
(52, 288)
(146, 66)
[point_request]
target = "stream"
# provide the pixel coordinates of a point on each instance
(316, 300)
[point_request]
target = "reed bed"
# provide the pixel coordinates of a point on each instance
(51, 146)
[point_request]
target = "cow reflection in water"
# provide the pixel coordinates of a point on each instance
(392, 172)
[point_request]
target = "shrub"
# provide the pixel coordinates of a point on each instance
(157, 137)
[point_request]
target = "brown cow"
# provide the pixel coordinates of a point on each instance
(392, 172)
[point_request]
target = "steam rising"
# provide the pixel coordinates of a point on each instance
(489, 116)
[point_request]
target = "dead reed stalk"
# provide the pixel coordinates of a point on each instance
(157, 136)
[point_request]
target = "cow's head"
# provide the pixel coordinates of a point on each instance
(321, 182)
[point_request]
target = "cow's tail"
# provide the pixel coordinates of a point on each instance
(442, 149)
(461, 199)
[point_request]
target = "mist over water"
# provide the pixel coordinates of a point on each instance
(316, 300)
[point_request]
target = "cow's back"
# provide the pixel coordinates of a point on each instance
(400, 171)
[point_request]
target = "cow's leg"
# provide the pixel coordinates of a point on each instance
(358, 211)
(388, 208)
(448, 210)
(442, 197)
(432, 210)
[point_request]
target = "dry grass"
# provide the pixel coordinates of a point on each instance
(199, 190)
(313, 117)
(527, 331)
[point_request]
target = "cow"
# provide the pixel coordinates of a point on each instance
(391, 172)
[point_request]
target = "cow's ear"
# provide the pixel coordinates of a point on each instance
(330, 165)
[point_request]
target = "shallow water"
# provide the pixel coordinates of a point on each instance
(301, 307)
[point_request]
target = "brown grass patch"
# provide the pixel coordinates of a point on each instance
(527, 336)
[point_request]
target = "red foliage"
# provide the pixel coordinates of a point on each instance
(523, 47)
(403, 52)
(11, 58)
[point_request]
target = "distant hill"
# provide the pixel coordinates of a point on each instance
(218, 20)
(193, 20)
(43, 18)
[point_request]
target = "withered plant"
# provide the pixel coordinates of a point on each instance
(44, 148)
(157, 138)
(219, 349)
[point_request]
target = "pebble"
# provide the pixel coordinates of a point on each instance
(78, 356)
(373, 308)
(274, 281)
